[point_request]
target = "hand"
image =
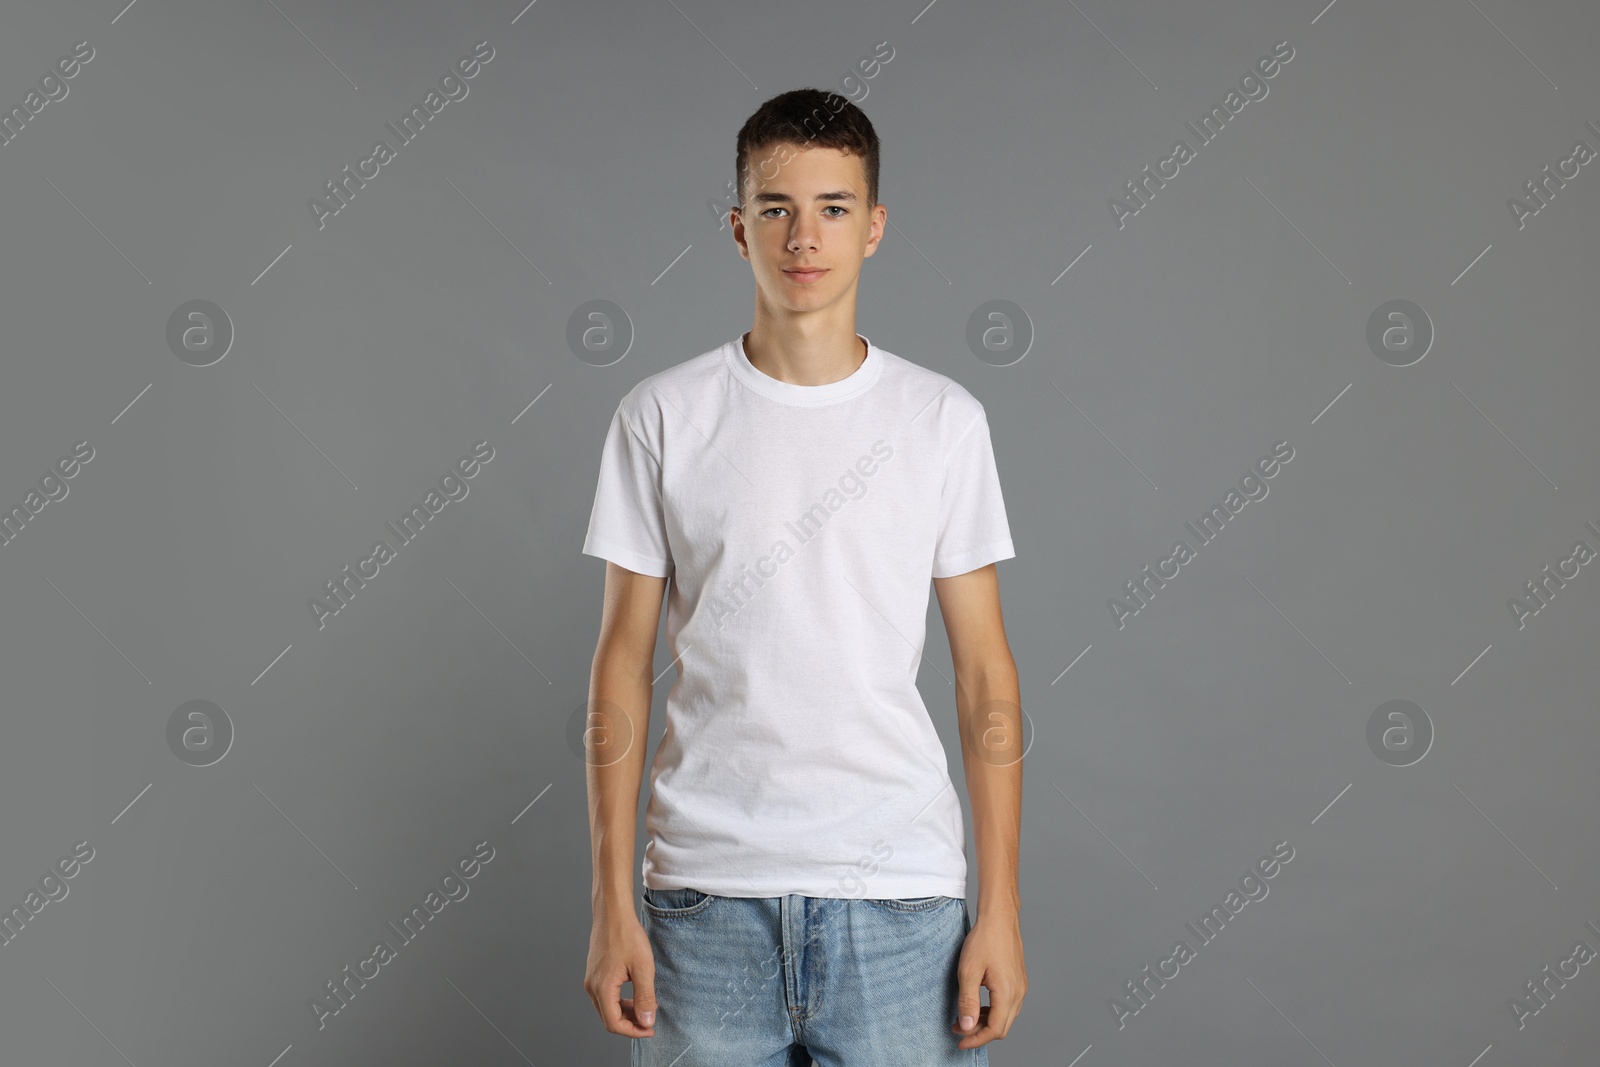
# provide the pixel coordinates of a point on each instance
(991, 957)
(619, 951)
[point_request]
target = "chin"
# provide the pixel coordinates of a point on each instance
(791, 295)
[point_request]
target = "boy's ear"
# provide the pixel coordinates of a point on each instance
(880, 217)
(736, 224)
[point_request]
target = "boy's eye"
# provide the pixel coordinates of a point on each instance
(768, 214)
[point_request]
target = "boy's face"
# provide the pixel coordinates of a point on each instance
(807, 207)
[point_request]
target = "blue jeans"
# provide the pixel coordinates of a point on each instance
(783, 981)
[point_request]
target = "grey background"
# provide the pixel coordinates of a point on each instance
(433, 712)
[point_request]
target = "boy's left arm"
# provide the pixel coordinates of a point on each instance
(989, 712)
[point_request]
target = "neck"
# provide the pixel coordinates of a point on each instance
(798, 359)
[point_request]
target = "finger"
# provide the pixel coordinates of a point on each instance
(967, 1000)
(608, 1004)
(972, 1023)
(618, 1012)
(995, 1021)
(644, 994)
(980, 1034)
(1002, 1006)
(632, 1027)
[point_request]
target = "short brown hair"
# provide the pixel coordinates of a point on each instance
(809, 118)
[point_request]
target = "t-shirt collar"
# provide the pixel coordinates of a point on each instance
(851, 385)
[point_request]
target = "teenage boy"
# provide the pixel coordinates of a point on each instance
(804, 878)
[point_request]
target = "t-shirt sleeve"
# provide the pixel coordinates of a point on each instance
(627, 524)
(973, 530)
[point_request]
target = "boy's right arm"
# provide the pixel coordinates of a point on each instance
(616, 736)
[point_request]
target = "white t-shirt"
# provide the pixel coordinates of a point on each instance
(801, 526)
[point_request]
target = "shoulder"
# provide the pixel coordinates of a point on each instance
(645, 405)
(932, 397)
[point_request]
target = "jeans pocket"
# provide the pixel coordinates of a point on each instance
(675, 903)
(909, 903)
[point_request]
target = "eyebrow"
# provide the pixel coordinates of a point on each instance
(785, 198)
